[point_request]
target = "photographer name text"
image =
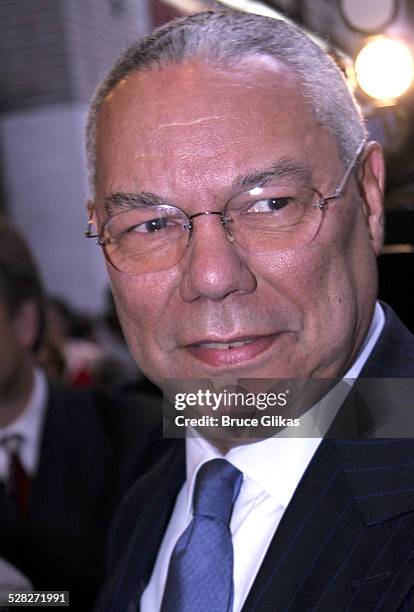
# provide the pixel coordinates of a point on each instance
(230, 421)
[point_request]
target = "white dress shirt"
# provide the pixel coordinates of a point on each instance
(29, 427)
(272, 469)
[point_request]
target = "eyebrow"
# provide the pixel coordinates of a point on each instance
(133, 200)
(284, 168)
(260, 178)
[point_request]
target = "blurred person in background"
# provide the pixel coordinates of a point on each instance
(66, 456)
(85, 351)
(72, 334)
(117, 366)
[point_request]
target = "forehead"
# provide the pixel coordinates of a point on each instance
(197, 123)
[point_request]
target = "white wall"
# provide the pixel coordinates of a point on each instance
(45, 183)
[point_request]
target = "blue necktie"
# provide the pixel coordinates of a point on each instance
(200, 575)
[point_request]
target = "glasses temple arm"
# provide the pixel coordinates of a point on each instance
(88, 232)
(345, 178)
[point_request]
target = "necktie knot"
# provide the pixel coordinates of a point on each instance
(11, 443)
(217, 486)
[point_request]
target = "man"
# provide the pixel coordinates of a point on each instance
(239, 207)
(66, 457)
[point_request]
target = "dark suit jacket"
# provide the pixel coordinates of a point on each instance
(345, 542)
(94, 447)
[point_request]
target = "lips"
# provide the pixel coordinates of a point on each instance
(230, 352)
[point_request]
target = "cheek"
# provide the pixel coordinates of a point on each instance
(317, 285)
(141, 303)
(301, 277)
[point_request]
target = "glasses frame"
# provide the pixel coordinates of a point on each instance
(321, 204)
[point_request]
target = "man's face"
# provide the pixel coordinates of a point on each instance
(186, 133)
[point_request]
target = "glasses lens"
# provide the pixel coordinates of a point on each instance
(146, 239)
(271, 218)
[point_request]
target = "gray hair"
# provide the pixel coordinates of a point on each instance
(226, 37)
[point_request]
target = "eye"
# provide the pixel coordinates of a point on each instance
(151, 226)
(269, 205)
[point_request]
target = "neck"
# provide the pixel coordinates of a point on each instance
(15, 396)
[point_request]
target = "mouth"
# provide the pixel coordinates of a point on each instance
(232, 351)
(223, 346)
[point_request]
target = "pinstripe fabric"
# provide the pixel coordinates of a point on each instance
(133, 544)
(327, 554)
(345, 542)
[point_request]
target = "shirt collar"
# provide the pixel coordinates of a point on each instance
(374, 332)
(29, 424)
(261, 462)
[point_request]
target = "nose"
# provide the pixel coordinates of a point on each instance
(213, 266)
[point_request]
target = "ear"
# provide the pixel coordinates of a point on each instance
(26, 324)
(372, 181)
(90, 209)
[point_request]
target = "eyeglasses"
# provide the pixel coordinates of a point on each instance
(279, 216)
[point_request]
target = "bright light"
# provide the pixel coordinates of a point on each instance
(384, 69)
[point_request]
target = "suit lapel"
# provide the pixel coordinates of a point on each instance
(152, 500)
(343, 537)
(318, 510)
